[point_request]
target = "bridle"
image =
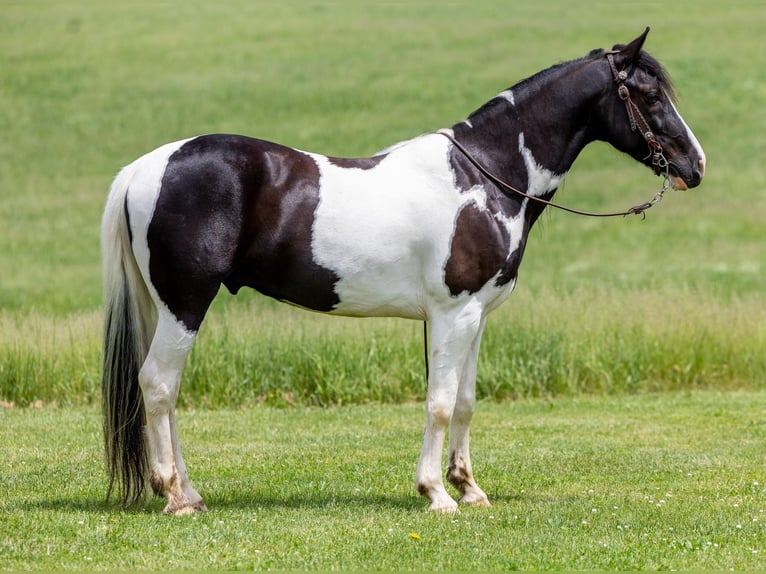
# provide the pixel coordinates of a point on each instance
(637, 122)
(637, 119)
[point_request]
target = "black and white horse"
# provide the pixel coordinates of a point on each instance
(417, 231)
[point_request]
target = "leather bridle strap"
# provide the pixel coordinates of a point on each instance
(635, 210)
(637, 120)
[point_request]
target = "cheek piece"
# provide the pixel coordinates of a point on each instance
(638, 121)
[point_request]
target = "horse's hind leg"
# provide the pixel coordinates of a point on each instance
(160, 378)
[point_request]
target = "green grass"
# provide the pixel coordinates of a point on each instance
(603, 477)
(658, 481)
(262, 352)
(90, 86)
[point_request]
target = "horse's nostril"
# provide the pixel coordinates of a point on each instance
(701, 168)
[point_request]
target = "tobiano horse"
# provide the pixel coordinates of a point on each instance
(419, 231)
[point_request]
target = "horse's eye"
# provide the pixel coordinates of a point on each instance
(652, 98)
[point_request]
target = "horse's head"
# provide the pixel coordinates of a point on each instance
(640, 118)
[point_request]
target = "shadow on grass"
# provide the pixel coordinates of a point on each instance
(237, 501)
(318, 501)
(240, 497)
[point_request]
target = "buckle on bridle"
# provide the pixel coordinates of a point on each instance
(637, 119)
(623, 92)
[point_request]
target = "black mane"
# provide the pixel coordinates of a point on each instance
(645, 62)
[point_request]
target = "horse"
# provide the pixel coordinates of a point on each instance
(423, 230)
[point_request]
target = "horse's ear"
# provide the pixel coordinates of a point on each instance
(625, 55)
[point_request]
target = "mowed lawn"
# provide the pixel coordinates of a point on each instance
(659, 481)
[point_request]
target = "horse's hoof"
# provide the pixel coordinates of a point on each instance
(200, 506)
(444, 507)
(475, 499)
(183, 510)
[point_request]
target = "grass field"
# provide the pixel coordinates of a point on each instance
(671, 481)
(89, 87)
(588, 471)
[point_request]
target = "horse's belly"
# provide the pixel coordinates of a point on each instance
(385, 291)
(382, 265)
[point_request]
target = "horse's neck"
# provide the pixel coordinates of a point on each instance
(543, 119)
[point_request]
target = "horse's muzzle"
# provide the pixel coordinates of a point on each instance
(682, 182)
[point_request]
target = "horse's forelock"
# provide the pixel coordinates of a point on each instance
(650, 65)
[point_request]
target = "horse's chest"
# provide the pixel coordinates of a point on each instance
(485, 247)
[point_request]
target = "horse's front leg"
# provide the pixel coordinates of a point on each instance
(160, 378)
(459, 472)
(451, 337)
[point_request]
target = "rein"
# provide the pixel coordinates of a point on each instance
(635, 210)
(637, 122)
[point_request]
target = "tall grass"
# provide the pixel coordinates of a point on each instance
(545, 344)
(50, 360)
(593, 341)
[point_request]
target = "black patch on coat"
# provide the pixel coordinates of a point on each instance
(478, 251)
(358, 163)
(508, 165)
(238, 211)
(465, 173)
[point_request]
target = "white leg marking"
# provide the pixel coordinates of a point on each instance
(195, 500)
(160, 379)
(451, 337)
(460, 473)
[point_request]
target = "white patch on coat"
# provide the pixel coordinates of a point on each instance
(540, 180)
(386, 231)
(507, 95)
(692, 138)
